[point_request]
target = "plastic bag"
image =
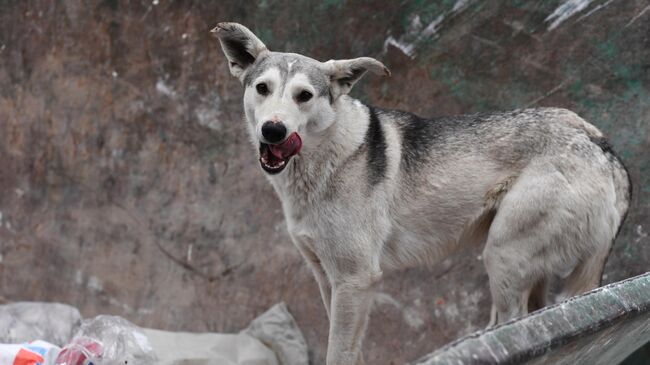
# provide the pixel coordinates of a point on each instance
(26, 321)
(107, 340)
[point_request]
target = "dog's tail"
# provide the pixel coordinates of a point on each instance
(588, 274)
(475, 233)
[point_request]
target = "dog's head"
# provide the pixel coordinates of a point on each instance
(289, 99)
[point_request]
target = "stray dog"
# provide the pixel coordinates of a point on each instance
(365, 189)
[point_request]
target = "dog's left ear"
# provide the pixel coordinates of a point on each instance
(240, 45)
(345, 73)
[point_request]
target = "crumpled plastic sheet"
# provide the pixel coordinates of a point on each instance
(108, 340)
(27, 321)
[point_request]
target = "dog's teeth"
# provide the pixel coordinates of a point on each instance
(264, 160)
(281, 163)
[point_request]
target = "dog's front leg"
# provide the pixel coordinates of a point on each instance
(321, 278)
(351, 302)
(324, 287)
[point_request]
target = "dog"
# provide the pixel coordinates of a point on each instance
(365, 190)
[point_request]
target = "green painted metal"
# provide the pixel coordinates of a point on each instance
(601, 327)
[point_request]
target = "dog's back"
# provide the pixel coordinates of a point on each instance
(541, 187)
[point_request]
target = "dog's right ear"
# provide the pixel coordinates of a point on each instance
(345, 73)
(240, 46)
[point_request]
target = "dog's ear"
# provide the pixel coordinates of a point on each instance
(345, 73)
(240, 46)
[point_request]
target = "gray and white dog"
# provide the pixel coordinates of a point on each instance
(365, 190)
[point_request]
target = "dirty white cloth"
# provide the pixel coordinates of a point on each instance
(273, 338)
(28, 321)
(180, 348)
(277, 329)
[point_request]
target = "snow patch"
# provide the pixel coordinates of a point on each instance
(411, 314)
(162, 88)
(640, 14)
(406, 48)
(414, 35)
(640, 234)
(208, 113)
(94, 284)
(416, 32)
(459, 5)
(566, 10)
(78, 277)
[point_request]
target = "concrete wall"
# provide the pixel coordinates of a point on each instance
(128, 186)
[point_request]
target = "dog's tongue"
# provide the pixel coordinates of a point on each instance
(291, 146)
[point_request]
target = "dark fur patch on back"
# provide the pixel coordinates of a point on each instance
(376, 153)
(604, 145)
(420, 135)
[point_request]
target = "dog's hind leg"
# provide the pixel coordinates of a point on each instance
(548, 220)
(586, 275)
(510, 291)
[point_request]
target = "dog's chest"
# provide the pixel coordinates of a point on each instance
(304, 233)
(315, 229)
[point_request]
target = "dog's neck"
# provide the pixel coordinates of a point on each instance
(308, 175)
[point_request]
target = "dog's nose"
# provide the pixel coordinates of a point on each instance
(273, 132)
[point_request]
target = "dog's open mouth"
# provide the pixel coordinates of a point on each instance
(275, 157)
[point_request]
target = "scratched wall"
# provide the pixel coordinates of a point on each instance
(127, 184)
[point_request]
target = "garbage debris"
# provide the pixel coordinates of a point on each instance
(32, 353)
(81, 351)
(22, 322)
(277, 329)
(180, 348)
(107, 340)
(273, 338)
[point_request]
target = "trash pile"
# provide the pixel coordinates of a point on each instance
(55, 334)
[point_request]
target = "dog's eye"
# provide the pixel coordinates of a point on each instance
(304, 96)
(262, 89)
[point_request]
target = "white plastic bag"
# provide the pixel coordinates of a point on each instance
(107, 340)
(27, 321)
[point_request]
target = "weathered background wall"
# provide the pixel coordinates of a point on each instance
(128, 186)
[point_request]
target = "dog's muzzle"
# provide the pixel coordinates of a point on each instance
(275, 157)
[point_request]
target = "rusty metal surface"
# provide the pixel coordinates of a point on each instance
(602, 327)
(128, 186)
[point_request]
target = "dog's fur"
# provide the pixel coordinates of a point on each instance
(376, 189)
